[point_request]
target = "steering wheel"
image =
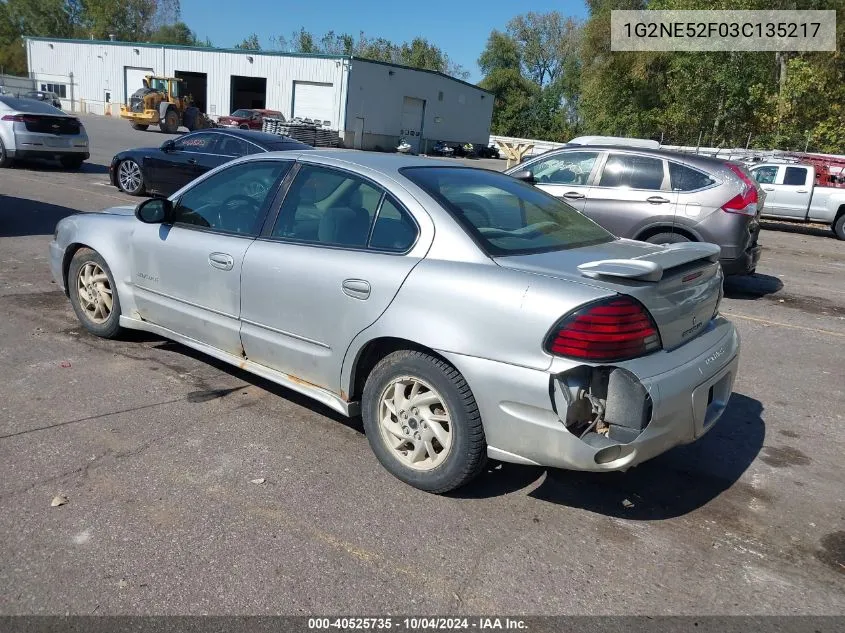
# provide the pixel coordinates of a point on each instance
(240, 212)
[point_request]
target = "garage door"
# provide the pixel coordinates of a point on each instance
(133, 80)
(314, 101)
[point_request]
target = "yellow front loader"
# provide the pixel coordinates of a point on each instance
(160, 102)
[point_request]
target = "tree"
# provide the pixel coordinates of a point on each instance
(177, 33)
(250, 43)
(418, 53)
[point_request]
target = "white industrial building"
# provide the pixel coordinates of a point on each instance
(371, 104)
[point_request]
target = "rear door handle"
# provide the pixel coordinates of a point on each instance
(657, 200)
(192, 161)
(573, 195)
(356, 288)
(801, 191)
(769, 188)
(221, 261)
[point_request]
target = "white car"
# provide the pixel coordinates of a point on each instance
(34, 129)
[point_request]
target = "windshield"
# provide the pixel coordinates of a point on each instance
(242, 114)
(504, 215)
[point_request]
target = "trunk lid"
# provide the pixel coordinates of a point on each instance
(679, 284)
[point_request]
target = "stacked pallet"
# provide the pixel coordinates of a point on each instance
(314, 133)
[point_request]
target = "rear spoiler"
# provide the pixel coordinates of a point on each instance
(650, 267)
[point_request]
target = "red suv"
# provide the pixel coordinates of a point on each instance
(247, 119)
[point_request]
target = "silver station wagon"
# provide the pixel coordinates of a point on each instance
(461, 312)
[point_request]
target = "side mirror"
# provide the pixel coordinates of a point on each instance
(168, 146)
(154, 211)
(525, 175)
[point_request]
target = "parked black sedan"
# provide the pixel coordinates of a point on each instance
(161, 171)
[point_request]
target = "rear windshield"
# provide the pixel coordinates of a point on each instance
(283, 146)
(30, 106)
(504, 215)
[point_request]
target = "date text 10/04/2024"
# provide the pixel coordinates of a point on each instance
(417, 624)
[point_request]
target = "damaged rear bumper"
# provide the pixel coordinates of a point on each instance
(524, 411)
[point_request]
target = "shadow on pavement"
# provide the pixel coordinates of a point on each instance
(282, 392)
(791, 227)
(48, 165)
(670, 485)
(751, 286)
(20, 216)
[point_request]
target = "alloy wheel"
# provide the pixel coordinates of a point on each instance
(129, 176)
(95, 292)
(415, 423)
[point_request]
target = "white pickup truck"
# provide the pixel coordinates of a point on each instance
(792, 194)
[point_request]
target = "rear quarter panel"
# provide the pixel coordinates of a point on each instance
(825, 204)
(476, 309)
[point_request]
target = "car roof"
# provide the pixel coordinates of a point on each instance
(693, 159)
(384, 162)
(29, 105)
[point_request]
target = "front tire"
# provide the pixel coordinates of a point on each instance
(140, 127)
(422, 422)
(667, 238)
(170, 123)
(130, 178)
(93, 293)
(839, 227)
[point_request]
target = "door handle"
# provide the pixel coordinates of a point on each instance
(192, 161)
(801, 191)
(657, 200)
(573, 195)
(768, 188)
(356, 288)
(221, 261)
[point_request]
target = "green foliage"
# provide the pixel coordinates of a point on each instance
(127, 20)
(418, 53)
(565, 80)
(250, 43)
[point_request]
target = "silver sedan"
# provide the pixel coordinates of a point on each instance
(461, 312)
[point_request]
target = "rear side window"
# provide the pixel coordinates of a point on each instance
(686, 179)
(795, 176)
(394, 231)
(628, 171)
(765, 175)
(198, 143)
(504, 215)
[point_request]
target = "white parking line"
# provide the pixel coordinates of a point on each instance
(779, 324)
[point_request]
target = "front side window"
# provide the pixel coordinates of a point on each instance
(566, 168)
(202, 143)
(765, 175)
(629, 171)
(795, 176)
(504, 215)
(232, 200)
(329, 207)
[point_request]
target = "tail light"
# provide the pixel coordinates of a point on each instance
(613, 329)
(19, 118)
(746, 202)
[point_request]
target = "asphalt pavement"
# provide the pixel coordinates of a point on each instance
(155, 447)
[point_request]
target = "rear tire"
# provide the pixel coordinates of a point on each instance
(170, 123)
(422, 422)
(93, 294)
(667, 238)
(141, 127)
(839, 227)
(5, 160)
